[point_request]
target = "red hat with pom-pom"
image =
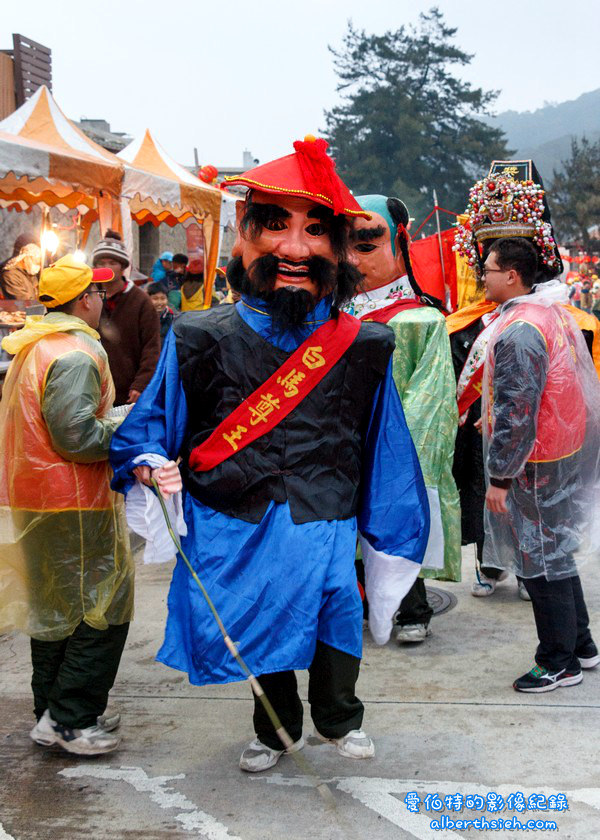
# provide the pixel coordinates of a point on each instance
(307, 173)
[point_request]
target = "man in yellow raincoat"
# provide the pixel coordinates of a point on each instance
(66, 573)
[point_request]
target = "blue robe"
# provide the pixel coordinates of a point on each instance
(278, 586)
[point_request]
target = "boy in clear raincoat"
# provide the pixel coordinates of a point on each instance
(541, 427)
(66, 573)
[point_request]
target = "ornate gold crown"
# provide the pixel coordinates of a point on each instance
(501, 207)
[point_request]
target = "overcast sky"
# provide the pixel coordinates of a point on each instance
(226, 75)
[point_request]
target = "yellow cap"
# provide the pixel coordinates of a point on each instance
(66, 278)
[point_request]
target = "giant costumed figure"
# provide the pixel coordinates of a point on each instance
(424, 376)
(509, 202)
(291, 436)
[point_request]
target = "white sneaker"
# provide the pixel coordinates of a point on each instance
(93, 740)
(355, 744)
(258, 757)
(523, 593)
(485, 586)
(43, 733)
(411, 633)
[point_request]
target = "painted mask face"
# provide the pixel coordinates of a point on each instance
(292, 230)
(371, 248)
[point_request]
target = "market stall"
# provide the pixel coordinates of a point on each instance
(159, 190)
(46, 160)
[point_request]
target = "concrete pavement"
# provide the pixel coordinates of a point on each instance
(443, 714)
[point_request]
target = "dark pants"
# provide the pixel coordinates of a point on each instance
(490, 572)
(414, 607)
(72, 677)
(562, 621)
(334, 707)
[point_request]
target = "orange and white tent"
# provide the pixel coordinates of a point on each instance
(45, 158)
(160, 190)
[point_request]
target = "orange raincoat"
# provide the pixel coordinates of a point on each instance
(64, 549)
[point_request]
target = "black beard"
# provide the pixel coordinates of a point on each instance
(343, 281)
(259, 279)
(289, 306)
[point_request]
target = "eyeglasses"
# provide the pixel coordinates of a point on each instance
(486, 271)
(100, 292)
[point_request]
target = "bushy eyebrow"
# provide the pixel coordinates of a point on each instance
(257, 216)
(324, 214)
(267, 212)
(367, 234)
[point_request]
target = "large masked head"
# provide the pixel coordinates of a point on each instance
(292, 239)
(375, 241)
(380, 246)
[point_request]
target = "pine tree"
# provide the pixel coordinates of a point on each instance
(575, 195)
(407, 124)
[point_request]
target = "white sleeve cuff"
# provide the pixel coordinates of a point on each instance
(388, 578)
(150, 459)
(145, 516)
(434, 554)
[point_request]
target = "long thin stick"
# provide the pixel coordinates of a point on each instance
(281, 731)
(441, 247)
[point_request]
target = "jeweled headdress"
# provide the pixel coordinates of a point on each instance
(502, 206)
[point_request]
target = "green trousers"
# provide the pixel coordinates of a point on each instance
(72, 677)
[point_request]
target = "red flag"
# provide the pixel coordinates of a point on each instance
(427, 267)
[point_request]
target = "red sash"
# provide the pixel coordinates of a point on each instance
(382, 316)
(279, 395)
(472, 392)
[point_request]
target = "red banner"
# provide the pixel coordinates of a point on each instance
(427, 266)
(194, 235)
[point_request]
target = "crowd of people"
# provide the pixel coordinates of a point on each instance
(129, 330)
(326, 440)
(584, 292)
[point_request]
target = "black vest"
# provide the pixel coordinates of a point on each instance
(312, 458)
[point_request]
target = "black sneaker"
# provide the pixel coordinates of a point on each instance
(588, 656)
(540, 679)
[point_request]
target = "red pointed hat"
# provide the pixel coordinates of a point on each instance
(308, 173)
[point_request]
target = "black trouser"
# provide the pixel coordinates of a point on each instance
(490, 572)
(414, 607)
(72, 677)
(561, 619)
(334, 707)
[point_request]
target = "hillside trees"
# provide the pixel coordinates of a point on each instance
(407, 122)
(575, 195)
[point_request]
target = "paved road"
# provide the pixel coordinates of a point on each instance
(444, 716)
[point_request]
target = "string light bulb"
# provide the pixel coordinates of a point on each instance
(50, 242)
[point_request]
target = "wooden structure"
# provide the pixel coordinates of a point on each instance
(32, 68)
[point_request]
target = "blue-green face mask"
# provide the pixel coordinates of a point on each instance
(378, 204)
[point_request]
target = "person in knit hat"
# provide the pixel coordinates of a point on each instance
(129, 327)
(291, 436)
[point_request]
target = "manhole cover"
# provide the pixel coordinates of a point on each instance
(439, 600)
